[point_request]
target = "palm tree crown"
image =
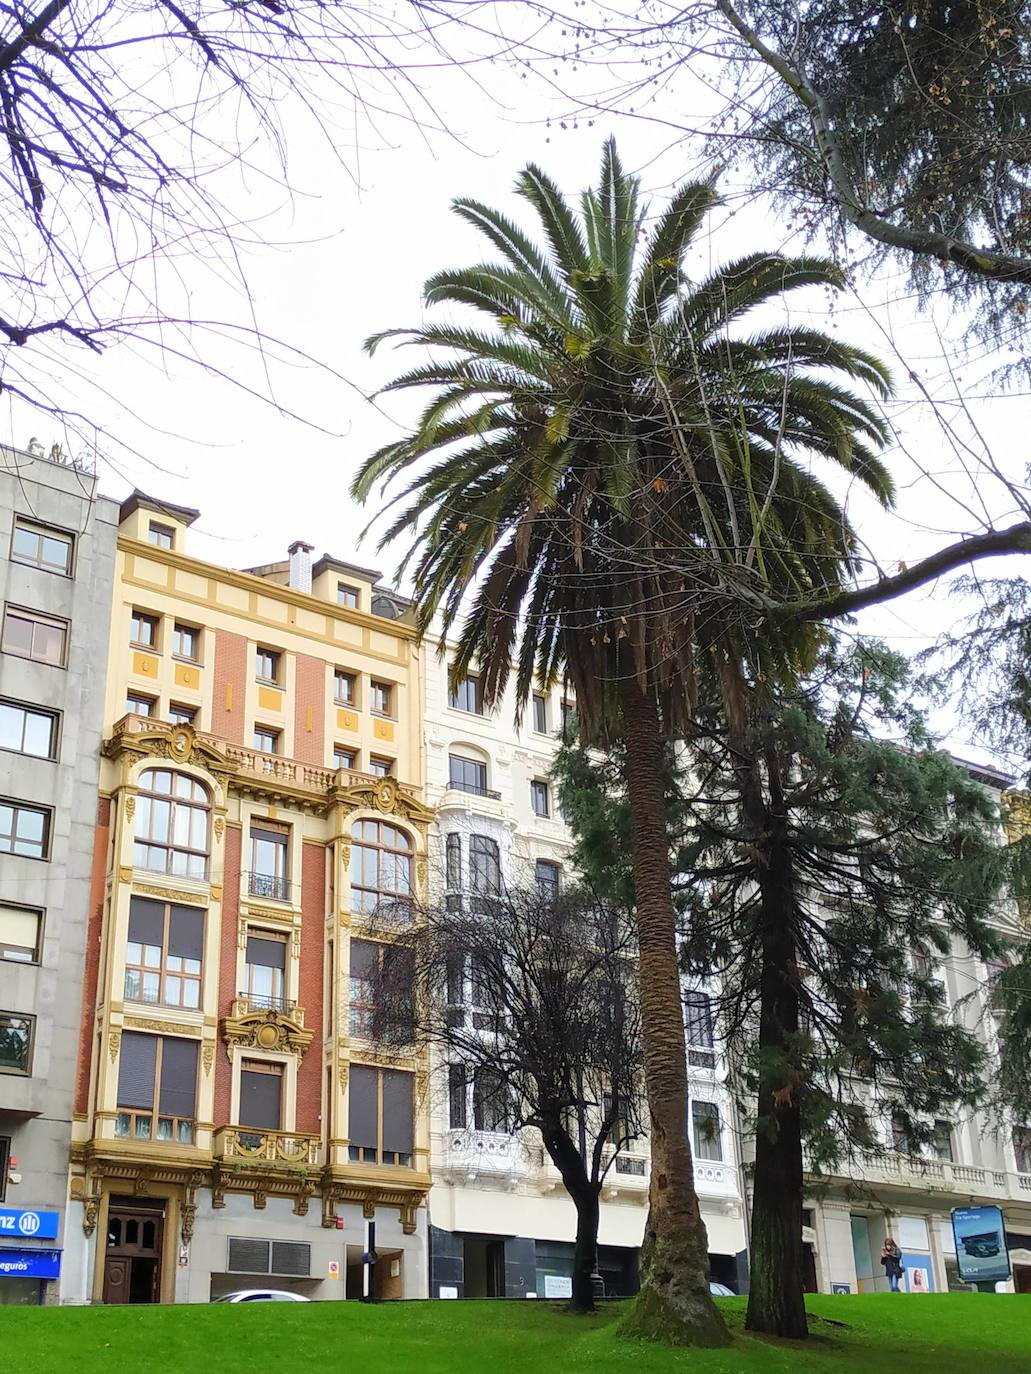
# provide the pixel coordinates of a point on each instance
(612, 474)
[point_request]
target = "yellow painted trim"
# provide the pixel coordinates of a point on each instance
(269, 699)
(347, 720)
(145, 665)
(185, 676)
(383, 729)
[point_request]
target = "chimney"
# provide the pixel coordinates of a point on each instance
(300, 565)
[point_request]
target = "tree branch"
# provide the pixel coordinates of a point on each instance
(984, 263)
(1015, 539)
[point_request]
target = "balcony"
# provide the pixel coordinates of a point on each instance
(251, 765)
(931, 1175)
(715, 1178)
(271, 886)
(282, 1149)
(473, 789)
(475, 1154)
(247, 1003)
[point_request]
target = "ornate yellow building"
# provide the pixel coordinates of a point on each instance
(260, 796)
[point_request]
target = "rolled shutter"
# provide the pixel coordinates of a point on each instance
(362, 1111)
(397, 1111)
(266, 953)
(136, 1060)
(364, 959)
(146, 922)
(261, 1099)
(186, 932)
(178, 1078)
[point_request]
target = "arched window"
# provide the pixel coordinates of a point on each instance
(173, 815)
(381, 865)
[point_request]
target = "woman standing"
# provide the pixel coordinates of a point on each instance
(891, 1258)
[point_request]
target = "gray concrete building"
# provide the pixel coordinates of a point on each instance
(57, 559)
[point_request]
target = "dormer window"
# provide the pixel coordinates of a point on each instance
(347, 596)
(161, 536)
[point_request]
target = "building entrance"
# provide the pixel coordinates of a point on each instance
(132, 1264)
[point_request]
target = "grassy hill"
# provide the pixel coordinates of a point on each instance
(933, 1334)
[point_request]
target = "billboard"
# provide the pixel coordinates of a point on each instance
(981, 1252)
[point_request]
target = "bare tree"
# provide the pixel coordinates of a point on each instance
(529, 997)
(144, 147)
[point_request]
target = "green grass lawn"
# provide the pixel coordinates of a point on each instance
(886, 1333)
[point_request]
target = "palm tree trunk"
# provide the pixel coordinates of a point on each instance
(674, 1304)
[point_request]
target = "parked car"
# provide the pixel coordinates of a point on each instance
(262, 1295)
(720, 1290)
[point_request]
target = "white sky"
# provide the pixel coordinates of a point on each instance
(353, 252)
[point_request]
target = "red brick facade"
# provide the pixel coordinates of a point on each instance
(228, 945)
(229, 695)
(310, 709)
(310, 991)
(91, 971)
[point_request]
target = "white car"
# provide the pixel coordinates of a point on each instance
(720, 1290)
(262, 1295)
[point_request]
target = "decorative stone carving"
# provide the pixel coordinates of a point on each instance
(114, 1040)
(267, 1029)
(208, 1056)
(260, 1200)
(369, 1208)
(90, 1209)
(220, 827)
(167, 894)
(343, 1069)
(162, 1027)
(408, 1218)
(187, 1213)
(130, 806)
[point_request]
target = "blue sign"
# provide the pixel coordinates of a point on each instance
(30, 1264)
(26, 1225)
(982, 1255)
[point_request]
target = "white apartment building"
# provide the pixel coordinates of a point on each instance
(976, 1161)
(501, 1224)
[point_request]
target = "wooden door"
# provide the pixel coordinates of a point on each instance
(117, 1273)
(132, 1268)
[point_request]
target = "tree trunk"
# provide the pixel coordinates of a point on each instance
(585, 1256)
(674, 1304)
(776, 1300)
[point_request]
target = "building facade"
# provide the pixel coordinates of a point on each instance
(57, 557)
(501, 1224)
(977, 1161)
(260, 793)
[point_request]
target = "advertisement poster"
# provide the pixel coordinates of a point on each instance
(981, 1252)
(919, 1277)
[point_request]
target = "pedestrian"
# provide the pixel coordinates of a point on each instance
(891, 1258)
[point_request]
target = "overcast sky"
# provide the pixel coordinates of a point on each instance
(348, 256)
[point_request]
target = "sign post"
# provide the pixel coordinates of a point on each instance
(982, 1255)
(368, 1260)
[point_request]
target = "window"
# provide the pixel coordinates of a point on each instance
(380, 1127)
(491, 1102)
(28, 730)
(179, 714)
(16, 1034)
(941, 1141)
(157, 1088)
(453, 862)
(21, 929)
(347, 596)
(900, 1141)
(363, 970)
(568, 715)
(138, 705)
(924, 965)
(161, 536)
(266, 740)
(267, 664)
(484, 866)
(143, 630)
(24, 830)
(1022, 1148)
(41, 546)
(261, 1095)
(345, 688)
(381, 865)
(381, 698)
(290, 1258)
(467, 775)
(540, 713)
(548, 877)
(268, 875)
(164, 953)
(457, 1094)
(30, 634)
(705, 1126)
(186, 642)
(701, 1053)
(369, 961)
(265, 972)
(466, 695)
(172, 824)
(380, 767)
(344, 758)
(540, 799)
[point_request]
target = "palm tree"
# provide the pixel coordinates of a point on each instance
(607, 483)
